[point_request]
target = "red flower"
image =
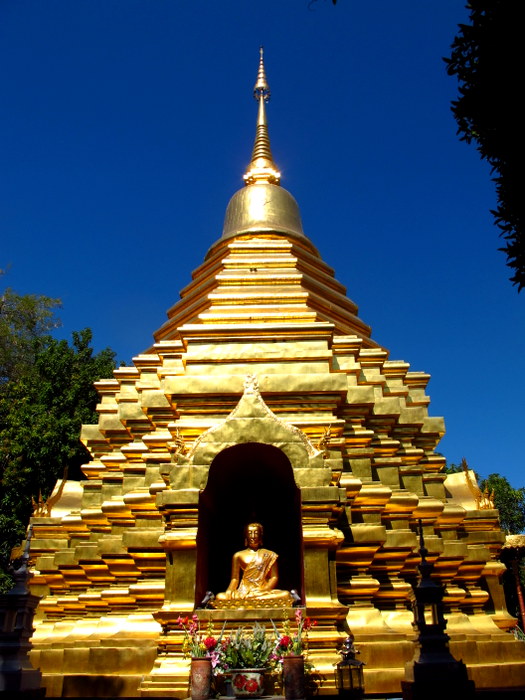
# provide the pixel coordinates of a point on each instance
(251, 685)
(239, 681)
(210, 643)
(182, 621)
(285, 641)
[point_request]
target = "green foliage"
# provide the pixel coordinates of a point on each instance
(248, 649)
(23, 319)
(41, 415)
(509, 501)
(452, 468)
(12, 532)
(487, 58)
(46, 394)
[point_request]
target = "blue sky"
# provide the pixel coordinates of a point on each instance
(126, 125)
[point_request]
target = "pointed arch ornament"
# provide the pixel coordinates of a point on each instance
(250, 421)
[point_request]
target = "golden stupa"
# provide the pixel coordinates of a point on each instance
(264, 396)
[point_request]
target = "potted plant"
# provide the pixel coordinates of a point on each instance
(246, 655)
(197, 645)
(292, 647)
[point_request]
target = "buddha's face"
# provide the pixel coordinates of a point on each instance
(254, 536)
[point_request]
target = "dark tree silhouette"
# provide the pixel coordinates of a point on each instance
(487, 58)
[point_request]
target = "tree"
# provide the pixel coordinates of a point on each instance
(11, 533)
(511, 505)
(452, 468)
(41, 412)
(23, 319)
(488, 62)
(509, 501)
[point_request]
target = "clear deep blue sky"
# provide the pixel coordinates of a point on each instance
(126, 125)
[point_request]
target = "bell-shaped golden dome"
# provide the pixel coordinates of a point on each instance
(262, 205)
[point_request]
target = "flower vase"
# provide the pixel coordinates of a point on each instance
(200, 678)
(248, 682)
(293, 677)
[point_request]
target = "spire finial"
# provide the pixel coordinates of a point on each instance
(262, 167)
(261, 87)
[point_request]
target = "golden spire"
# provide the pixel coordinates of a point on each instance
(262, 168)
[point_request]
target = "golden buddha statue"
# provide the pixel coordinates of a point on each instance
(254, 576)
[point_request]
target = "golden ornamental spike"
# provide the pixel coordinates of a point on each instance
(262, 168)
(261, 87)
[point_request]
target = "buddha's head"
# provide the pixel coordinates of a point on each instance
(253, 535)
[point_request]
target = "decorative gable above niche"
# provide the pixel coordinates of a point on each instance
(251, 421)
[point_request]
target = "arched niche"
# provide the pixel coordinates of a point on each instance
(248, 482)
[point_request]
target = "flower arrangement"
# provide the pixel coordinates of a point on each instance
(197, 643)
(297, 643)
(243, 649)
